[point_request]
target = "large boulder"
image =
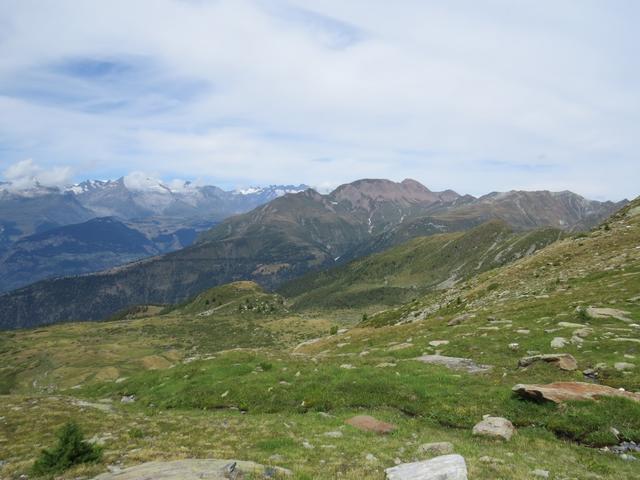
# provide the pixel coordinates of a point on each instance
(446, 467)
(494, 427)
(597, 312)
(210, 469)
(563, 361)
(370, 424)
(559, 392)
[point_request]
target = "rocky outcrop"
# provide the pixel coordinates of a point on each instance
(210, 469)
(563, 361)
(564, 391)
(446, 467)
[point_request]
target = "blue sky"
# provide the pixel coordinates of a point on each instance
(472, 95)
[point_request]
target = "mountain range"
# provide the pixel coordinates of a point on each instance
(42, 229)
(287, 237)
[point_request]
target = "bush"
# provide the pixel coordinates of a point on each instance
(333, 330)
(71, 450)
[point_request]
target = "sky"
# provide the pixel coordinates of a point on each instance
(473, 95)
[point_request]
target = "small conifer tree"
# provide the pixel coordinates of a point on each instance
(71, 450)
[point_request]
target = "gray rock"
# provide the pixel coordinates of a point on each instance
(621, 366)
(210, 469)
(335, 434)
(563, 361)
(436, 448)
(455, 363)
(538, 472)
(558, 342)
(495, 427)
(446, 467)
(128, 399)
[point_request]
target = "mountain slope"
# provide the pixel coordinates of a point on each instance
(410, 269)
(274, 243)
(70, 250)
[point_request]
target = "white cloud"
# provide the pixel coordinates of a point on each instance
(254, 92)
(25, 174)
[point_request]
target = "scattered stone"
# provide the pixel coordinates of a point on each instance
(210, 469)
(438, 343)
(559, 392)
(347, 366)
(563, 361)
(595, 312)
(491, 460)
(495, 427)
(334, 434)
(370, 424)
(514, 346)
(307, 445)
(538, 472)
(370, 457)
(386, 364)
(128, 399)
(622, 366)
(460, 318)
(436, 448)
(455, 363)
(583, 332)
(558, 342)
(446, 467)
(523, 331)
(570, 325)
(400, 346)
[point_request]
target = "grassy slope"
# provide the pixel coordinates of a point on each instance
(404, 272)
(264, 399)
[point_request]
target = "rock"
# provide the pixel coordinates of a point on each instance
(370, 424)
(514, 346)
(370, 457)
(570, 325)
(460, 318)
(490, 460)
(622, 366)
(128, 399)
(523, 331)
(563, 361)
(621, 315)
(495, 427)
(386, 364)
(436, 448)
(347, 366)
(400, 346)
(455, 363)
(538, 472)
(558, 342)
(583, 332)
(210, 469)
(559, 392)
(334, 434)
(438, 343)
(307, 445)
(446, 467)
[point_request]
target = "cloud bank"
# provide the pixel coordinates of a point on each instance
(475, 96)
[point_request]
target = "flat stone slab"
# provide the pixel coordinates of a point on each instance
(596, 312)
(445, 467)
(210, 469)
(559, 392)
(563, 361)
(370, 424)
(455, 363)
